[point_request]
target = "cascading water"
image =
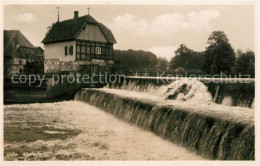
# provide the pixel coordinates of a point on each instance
(182, 90)
(182, 112)
(227, 101)
(190, 89)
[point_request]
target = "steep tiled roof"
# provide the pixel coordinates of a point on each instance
(68, 30)
(12, 38)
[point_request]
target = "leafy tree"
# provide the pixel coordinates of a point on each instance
(49, 28)
(245, 63)
(136, 60)
(162, 63)
(186, 58)
(219, 55)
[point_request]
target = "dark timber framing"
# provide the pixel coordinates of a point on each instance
(86, 50)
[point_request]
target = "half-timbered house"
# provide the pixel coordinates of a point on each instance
(79, 43)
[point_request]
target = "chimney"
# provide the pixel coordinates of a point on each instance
(76, 14)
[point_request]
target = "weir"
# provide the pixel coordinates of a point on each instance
(237, 92)
(210, 131)
(231, 94)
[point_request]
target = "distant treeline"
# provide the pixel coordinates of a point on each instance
(139, 60)
(218, 57)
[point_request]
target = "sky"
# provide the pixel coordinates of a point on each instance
(156, 28)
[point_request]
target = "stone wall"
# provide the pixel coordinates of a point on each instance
(51, 65)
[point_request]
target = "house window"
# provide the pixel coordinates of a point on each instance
(83, 56)
(66, 50)
(20, 62)
(83, 50)
(78, 56)
(103, 50)
(88, 49)
(71, 50)
(98, 50)
(78, 47)
(92, 50)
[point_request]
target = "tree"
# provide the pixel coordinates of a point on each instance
(182, 54)
(245, 63)
(219, 55)
(49, 28)
(135, 60)
(186, 58)
(162, 63)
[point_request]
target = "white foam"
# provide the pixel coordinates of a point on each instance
(103, 136)
(195, 90)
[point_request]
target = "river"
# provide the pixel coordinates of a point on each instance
(73, 130)
(129, 123)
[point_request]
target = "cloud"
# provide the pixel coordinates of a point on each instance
(165, 24)
(164, 51)
(26, 18)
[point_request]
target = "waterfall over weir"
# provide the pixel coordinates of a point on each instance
(214, 132)
(188, 89)
(182, 90)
